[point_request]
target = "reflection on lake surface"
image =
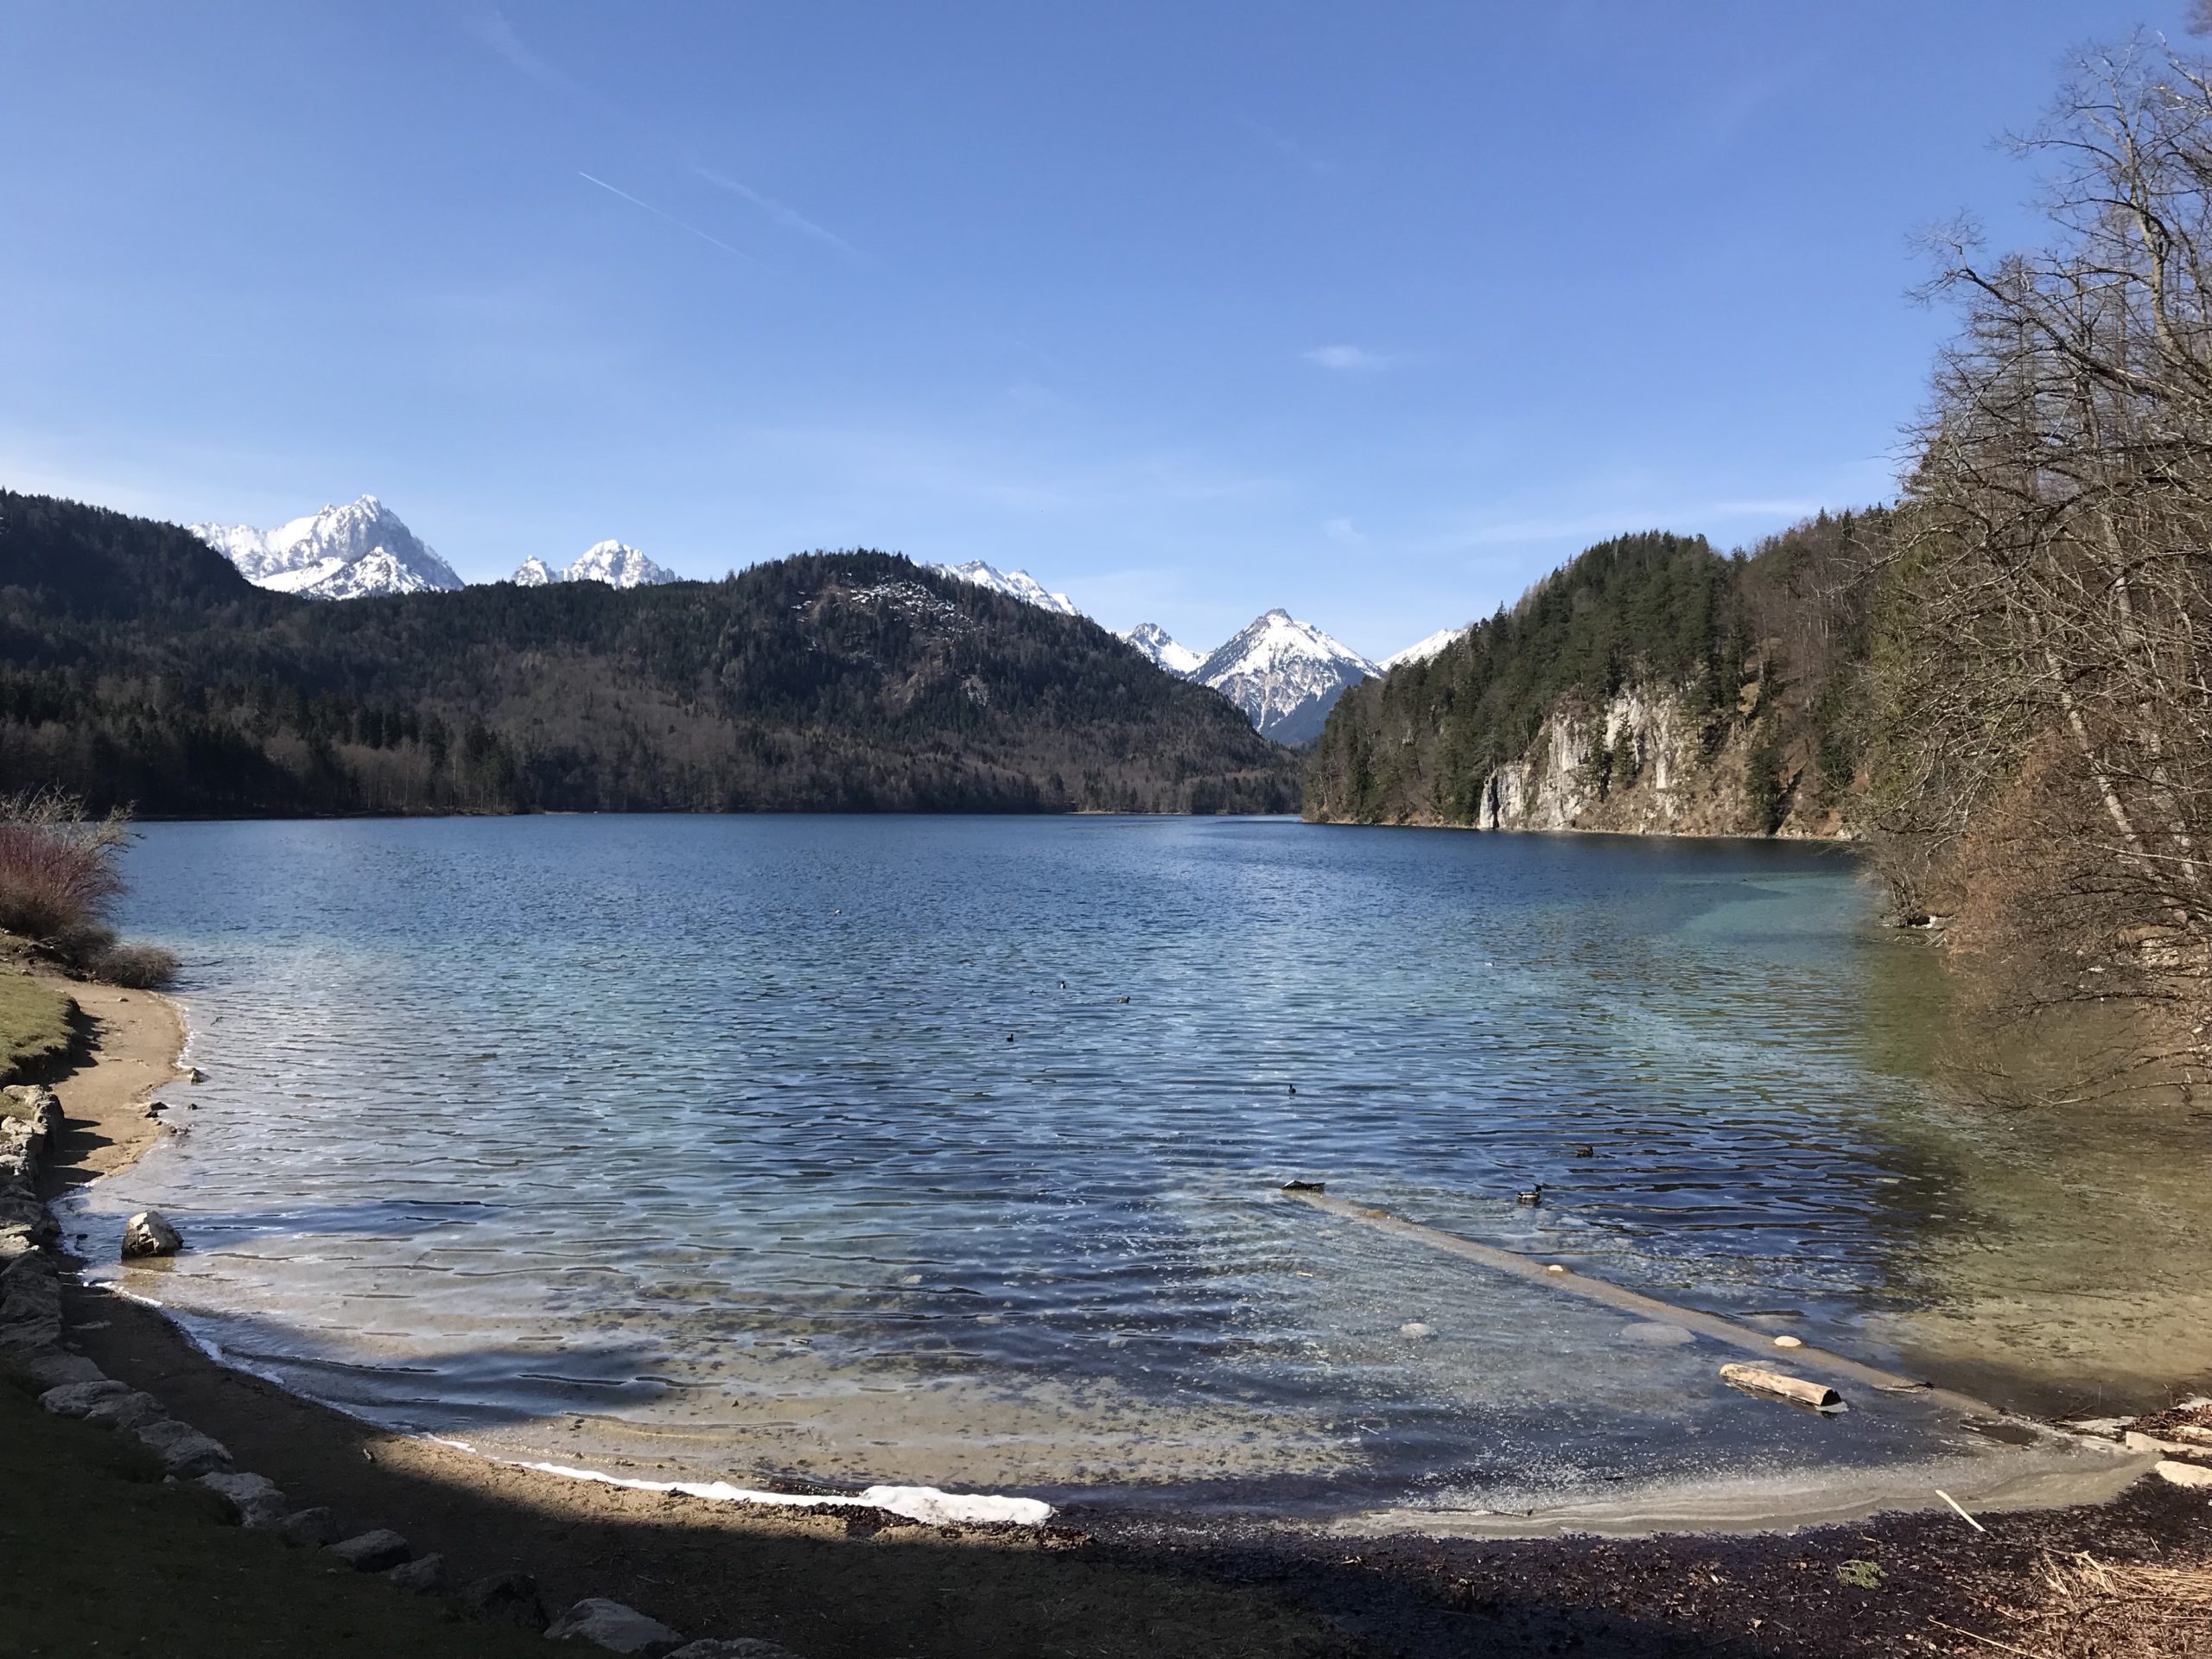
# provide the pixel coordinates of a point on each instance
(946, 1150)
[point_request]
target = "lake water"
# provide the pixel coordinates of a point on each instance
(948, 1150)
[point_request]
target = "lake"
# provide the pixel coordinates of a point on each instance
(948, 1150)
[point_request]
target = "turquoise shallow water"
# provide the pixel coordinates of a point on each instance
(947, 1149)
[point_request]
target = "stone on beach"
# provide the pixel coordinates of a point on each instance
(1416, 1328)
(130, 1410)
(183, 1450)
(506, 1598)
(309, 1528)
(254, 1499)
(373, 1552)
(75, 1399)
(46, 1365)
(423, 1577)
(615, 1627)
(149, 1233)
(2193, 1475)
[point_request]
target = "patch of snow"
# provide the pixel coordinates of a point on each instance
(923, 1504)
(1422, 650)
(1015, 584)
(618, 565)
(1165, 653)
(1285, 675)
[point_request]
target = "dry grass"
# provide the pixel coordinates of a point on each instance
(2084, 1608)
(33, 1021)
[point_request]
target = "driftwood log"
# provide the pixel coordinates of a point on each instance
(1756, 1379)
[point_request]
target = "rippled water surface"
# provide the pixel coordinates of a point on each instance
(947, 1150)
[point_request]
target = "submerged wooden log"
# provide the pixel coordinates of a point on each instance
(1756, 1379)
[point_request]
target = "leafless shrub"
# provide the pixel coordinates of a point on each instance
(140, 967)
(60, 882)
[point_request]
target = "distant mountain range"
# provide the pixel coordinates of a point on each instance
(1285, 675)
(848, 682)
(362, 550)
(616, 563)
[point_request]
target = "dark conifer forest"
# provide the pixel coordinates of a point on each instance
(1772, 643)
(137, 668)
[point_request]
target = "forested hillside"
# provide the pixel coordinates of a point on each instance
(136, 667)
(1650, 684)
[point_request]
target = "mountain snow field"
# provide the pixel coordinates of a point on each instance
(1015, 584)
(1422, 650)
(344, 552)
(616, 563)
(362, 550)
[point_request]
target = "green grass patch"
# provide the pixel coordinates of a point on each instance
(33, 1022)
(104, 1558)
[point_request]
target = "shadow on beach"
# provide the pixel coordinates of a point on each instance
(860, 1585)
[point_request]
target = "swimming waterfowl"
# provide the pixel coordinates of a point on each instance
(1534, 1195)
(1586, 1152)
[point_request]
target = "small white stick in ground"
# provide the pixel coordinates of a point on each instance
(1963, 1516)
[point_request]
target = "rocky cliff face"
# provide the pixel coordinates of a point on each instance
(1639, 766)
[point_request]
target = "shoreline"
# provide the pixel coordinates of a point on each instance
(1836, 1494)
(1240, 1585)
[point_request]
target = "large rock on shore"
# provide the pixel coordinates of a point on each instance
(373, 1552)
(130, 1410)
(75, 1399)
(309, 1528)
(254, 1500)
(423, 1576)
(184, 1450)
(506, 1598)
(149, 1233)
(615, 1627)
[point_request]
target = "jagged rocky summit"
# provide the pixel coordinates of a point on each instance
(1015, 584)
(616, 563)
(347, 552)
(362, 549)
(1163, 651)
(1285, 675)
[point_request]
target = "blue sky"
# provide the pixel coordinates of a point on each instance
(1373, 311)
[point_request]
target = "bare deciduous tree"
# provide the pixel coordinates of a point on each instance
(2048, 772)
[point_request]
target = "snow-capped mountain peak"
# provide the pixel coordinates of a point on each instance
(1285, 675)
(1015, 584)
(1163, 651)
(341, 552)
(1422, 650)
(618, 565)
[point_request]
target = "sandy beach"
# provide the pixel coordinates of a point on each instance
(855, 1583)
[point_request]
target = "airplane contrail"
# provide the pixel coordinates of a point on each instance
(670, 218)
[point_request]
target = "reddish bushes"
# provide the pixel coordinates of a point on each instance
(58, 884)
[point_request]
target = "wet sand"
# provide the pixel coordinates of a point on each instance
(137, 1040)
(847, 1583)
